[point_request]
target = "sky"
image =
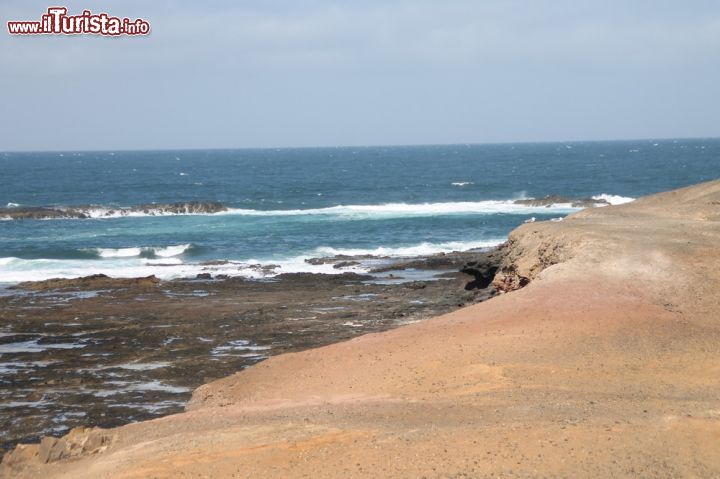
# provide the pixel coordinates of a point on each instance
(285, 73)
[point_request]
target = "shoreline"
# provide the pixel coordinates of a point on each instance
(106, 351)
(141, 262)
(592, 364)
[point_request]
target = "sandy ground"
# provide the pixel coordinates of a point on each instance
(606, 365)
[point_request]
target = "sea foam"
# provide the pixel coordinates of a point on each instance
(421, 249)
(162, 252)
(14, 270)
(613, 199)
(410, 209)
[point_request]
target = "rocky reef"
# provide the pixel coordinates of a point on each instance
(102, 351)
(551, 200)
(94, 211)
(86, 283)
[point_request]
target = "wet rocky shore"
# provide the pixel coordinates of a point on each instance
(104, 352)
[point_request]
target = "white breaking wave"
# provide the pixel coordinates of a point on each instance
(12, 205)
(163, 252)
(387, 210)
(18, 270)
(462, 183)
(613, 199)
(172, 250)
(390, 210)
(14, 270)
(103, 213)
(421, 249)
(118, 253)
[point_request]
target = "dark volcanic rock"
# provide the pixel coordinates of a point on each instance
(440, 261)
(265, 268)
(40, 213)
(181, 208)
(89, 211)
(345, 264)
(313, 277)
(550, 200)
(99, 351)
(340, 258)
(96, 281)
(483, 269)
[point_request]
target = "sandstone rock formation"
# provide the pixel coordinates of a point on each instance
(80, 441)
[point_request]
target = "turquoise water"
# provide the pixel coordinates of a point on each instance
(287, 205)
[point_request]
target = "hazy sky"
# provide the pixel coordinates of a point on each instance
(223, 73)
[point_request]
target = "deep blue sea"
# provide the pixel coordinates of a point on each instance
(286, 205)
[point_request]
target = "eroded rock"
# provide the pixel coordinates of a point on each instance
(528, 251)
(550, 200)
(95, 281)
(95, 211)
(80, 441)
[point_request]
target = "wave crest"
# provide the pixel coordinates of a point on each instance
(613, 199)
(412, 209)
(147, 251)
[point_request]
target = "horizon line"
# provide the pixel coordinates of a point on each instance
(399, 145)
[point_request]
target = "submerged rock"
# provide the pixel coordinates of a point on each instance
(39, 213)
(345, 264)
(550, 200)
(340, 258)
(180, 208)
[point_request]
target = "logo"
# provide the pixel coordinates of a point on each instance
(57, 22)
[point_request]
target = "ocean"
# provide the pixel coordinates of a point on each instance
(284, 206)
